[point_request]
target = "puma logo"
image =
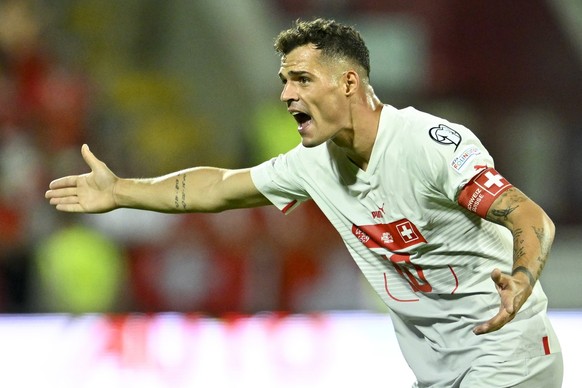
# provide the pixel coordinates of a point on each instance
(378, 213)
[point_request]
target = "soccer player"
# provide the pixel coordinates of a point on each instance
(452, 248)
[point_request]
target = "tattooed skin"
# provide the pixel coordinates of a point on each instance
(518, 249)
(543, 239)
(545, 243)
(184, 191)
(502, 213)
(532, 279)
(176, 197)
(180, 195)
(519, 252)
(509, 201)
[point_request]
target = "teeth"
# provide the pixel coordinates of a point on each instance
(301, 117)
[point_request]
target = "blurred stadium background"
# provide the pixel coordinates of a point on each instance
(154, 86)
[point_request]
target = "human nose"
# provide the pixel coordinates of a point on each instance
(288, 93)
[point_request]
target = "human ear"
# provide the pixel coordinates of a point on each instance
(351, 82)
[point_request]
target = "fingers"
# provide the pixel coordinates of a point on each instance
(64, 199)
(495, 323)
(70, 208)
(68, 181)
(62, 190)
(61, 193)
(510, 303)
(71, 181)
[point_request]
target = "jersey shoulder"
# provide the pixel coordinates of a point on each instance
(436, 135)
(445, 154)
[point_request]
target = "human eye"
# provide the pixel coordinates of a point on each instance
(303, 80)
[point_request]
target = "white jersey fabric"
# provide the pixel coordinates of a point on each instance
(428, 258)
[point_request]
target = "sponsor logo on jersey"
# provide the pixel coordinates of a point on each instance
(387, 238)
(394, 236)
(445, 135)
(378, 213)
(460, 162)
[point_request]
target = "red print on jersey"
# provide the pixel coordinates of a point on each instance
(395, 236)
(481, 191)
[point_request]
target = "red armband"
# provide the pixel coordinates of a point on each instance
(481, 191)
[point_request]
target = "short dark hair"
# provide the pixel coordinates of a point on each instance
(332, 38)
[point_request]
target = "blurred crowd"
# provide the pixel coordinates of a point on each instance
(241, 261)
(37, 131)
(67, 78)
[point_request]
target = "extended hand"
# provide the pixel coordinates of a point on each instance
(87, 193)
(513, 291)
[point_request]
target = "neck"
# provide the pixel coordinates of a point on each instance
(358, 142)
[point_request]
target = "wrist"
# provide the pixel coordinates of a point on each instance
(122, 193)
(523, 270)
(114, 194)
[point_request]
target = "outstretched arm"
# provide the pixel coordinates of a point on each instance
(199, 189)
(533, 234)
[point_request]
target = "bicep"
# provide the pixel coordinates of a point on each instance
(507, 206)
(514, 210)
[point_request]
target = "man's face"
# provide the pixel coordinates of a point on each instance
(312, 89)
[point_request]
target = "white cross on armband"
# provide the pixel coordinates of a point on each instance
(406, 232)
(493, 180)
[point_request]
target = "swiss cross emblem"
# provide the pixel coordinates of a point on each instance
(406, 232)
(479, 194)
(491, 181)
(395, 236)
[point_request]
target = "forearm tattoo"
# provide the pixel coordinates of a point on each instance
(544, 240)
(519, 252)
(180, 195)
(545, 244)
(518, 248)
(507, 204)
(522, 269)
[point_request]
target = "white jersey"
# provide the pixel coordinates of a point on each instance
(427, 257)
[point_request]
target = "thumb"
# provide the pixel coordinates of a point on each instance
(502, 282)
(496, 276)
(89, 157)
(500, 279)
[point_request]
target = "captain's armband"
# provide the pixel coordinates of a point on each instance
(481, 191)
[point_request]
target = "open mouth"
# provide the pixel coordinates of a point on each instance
(303, 119)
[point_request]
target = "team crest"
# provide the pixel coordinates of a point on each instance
(445, 135)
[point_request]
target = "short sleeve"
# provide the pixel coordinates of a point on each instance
(279, 181)
(451, 155)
